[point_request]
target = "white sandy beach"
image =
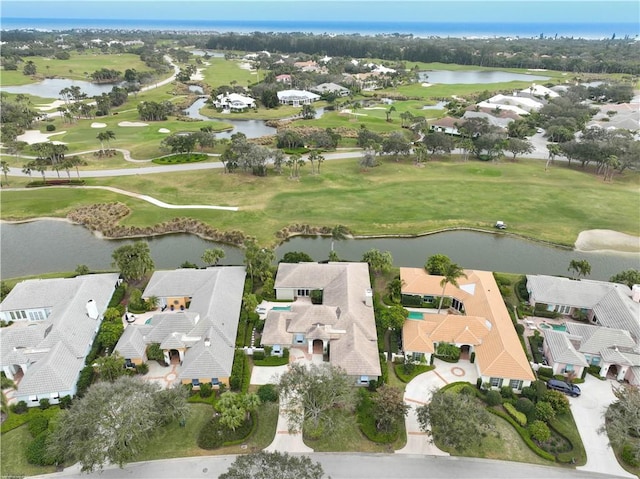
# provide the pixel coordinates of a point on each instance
(49, 106)
(607, 240)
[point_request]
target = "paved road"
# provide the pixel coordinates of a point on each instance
(347, 466)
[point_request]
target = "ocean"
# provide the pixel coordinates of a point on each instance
(421, 29)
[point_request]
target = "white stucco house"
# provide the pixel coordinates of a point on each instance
(297, 97)
(234, 102)
(55, 322)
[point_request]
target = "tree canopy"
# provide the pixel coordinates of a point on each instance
(113, 421)
(628, 277)
(133, 260)
(273, 465)
(623, 420)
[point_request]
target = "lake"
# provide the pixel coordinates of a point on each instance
(472, 77)
(45, 246)
(50, 87)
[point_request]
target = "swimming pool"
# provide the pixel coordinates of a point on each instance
(555, 327)
(281, 308)
(415, 315)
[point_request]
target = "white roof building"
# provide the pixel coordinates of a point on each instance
(297, 97)
(539, 90)
(234, 101)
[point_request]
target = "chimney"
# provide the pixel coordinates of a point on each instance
(635, 293)
(207, 342)
(92, 309)
(368, 297)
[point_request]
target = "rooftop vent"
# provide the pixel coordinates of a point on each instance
(92, 309)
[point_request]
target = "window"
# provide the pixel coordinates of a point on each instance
(33, 398)
(299, 338)
(427, 299)
(568, 368)
(595, 361)
(515, 384)
(195, 382)
(13, 316)
(496, 382)
(457, 305)
(55, 395)
(564, 309)
(364, 379)
(417, 356)
(303, 292)
(215, 381)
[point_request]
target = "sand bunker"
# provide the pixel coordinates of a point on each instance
(607, 240)
(245, 66)
(35, 136)
(164, 130)
(198, 76)
(347, 110)
(49, 106)
(96, 124)
(132, 123)
(374, 108)
(427, 84)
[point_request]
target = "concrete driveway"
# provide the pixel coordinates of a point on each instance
(418, 392)
(588, 410)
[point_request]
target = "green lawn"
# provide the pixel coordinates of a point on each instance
(13, 461)
(79, 67)
(394, 198)
(223, 72)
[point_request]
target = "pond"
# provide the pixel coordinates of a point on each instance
(472, 77)
(50, 87)
(251, 128)
(47, 246)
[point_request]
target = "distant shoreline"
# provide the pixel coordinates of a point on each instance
(587, 31)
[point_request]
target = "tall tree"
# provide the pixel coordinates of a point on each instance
(235, 408)
(210, 257)
(456, 420)
(623, 420)
(389, 408)
(450, 276)
(273, 465)
(338, 233)
(379, 262)
(517, 146)
(312, 395)
(581, 267)
(5, 171)
(258, 260)
(628, 277)
(113, 421)
(133, 260)
(437, 264)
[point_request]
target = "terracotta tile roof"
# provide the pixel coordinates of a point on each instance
(499, 352)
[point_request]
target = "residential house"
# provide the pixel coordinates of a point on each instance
(197, 325)
(610, 335)
(234, 102)
(334, 88)
(499, 119)
(308, 66)
(341, 326)
(520, 105)
(297, 97)
(55, 322)
(540, 91)
(284, 78)
(477, 322)
(448, 125)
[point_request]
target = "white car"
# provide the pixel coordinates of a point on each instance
(261, 310)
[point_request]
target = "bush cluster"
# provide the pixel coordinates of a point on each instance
(214, 435)
(239, 372)
(520, 417)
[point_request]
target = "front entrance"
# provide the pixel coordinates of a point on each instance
(174, 356)
(465, 352)
(612, 373)
(317, 346)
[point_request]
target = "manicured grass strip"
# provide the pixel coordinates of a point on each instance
(419, 369)
(181, 158)
(13, 458)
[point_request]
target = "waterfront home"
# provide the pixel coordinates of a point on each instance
(331, 316)
(55, 322)
(297, 97)
(234, 102)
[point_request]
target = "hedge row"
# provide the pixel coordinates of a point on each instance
(520, 417)
(240, 372)
(404, 377)
(524, 434)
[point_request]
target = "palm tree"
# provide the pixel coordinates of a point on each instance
(76, 162)
(5, 171)
(212, 256)
(554, 150)
(389, 111)
(101, 137)
(451, 274)
(109, 135)
(339, 232)
(580, 266)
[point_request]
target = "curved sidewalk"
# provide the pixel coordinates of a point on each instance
(418, 393)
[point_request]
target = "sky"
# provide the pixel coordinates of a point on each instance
(458, 11)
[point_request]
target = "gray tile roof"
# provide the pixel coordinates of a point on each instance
(214, 311)
(343, 317)
(594, 339)
(562, 350)
(68, 329)
(579, 294)
(617, 310)
(132, 344)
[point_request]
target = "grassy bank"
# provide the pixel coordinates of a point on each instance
(394, 198)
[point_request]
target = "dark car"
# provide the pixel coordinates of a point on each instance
(567, 388)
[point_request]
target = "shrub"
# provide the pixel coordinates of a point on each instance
(36, 451)
(373, 385)
(85, 380)
(506, 392)
(240, 366)
(142, 368)
(206, 390)
(267, 393)
(468, 390)
(544, 411)
(51, 127)
(558, 401)
(19, 408)
(520, 329)
(545, 372)
(214, 435)
(118, 295)
(493, 398)
(257, 355)
(154, 352)
(629, 456)
(539, 431)
(448, 352)
(38, 424)
(521, 289)
(524, 434)
(472, 357)
(525, 406)
(520, 417)
(65, 402)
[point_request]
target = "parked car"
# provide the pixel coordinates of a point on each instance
(261, 310)
(564, 387)
(500, 225)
